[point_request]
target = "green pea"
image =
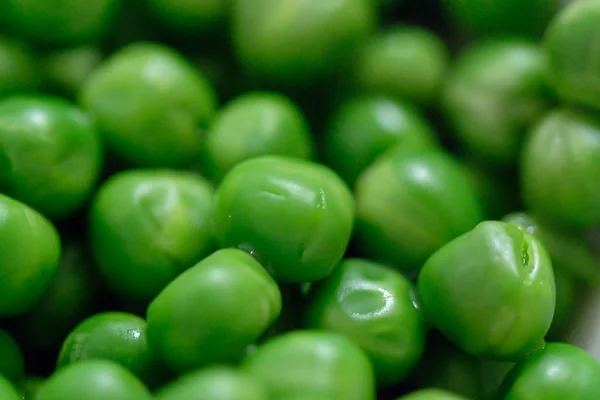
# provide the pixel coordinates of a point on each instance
(30, 386)
(364, 127)
(255, 124)
(114, 336)
(18, 70)
(376, 308)
(150, 104)
(12, 365)
(189, 16)
(512, 17)
(7, 390)
(294, 215)
(312, 365)
(29, 256)
(406, 62)
(298, 43)
(490, 291)
(495, 91)
(211, 313)
(50, 154)
(93, 380)
(559, 371)
(215, 383)
(431, 394)
(59, 22)
(571, 42)
(560, 159)
(410, 202)
(148, 226)
(66, 70)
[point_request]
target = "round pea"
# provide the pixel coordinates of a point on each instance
(190, 16)
(298, 43)
(495, 92)
(406, 62)
(18, 70)
(29, 256)
(93, 380)
(431, 394)
(559, 371)
(12, 365)
(147, 226)
(560, 160)
(150, 104)
(410, 202)
(214, 383)
(66, 70)
(571, 42)
(60, 22)
(376, 308)
(114, 336)
(312, 365)
(490, 291)
(364, 127)
(211, 313)
(255, 124)
(294, 215)
(50, 154)
(7, 390)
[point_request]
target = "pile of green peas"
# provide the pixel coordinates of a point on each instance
(298, 199)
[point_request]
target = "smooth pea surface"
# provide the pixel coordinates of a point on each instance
(12, 365)
(364, 127)
(147, 226)
(115, 336)
(315, 365)
(30, 386)
(255, 124)
(213, 311)
(7, 390)
(294, 215)
(50, 154)
(375, 307)
(432, 394)
(490, 291)
(18, 70)
(559, 371)
(410, 202)
(407, 63)
(216, 383)
(150, 104)
(496, 90)
(93, 380)
(560, 159)
(29, 256)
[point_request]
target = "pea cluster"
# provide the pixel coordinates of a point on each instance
(298, 200)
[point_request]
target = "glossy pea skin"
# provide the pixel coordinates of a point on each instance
(59, 22)
(294, 215)
(571, 42)
(12, 365)
(50, 154)
(211, 313)
(527, 18)
(314, 365)
(18, 70)
(364, 127)
(29, 256)
(214, 383)
(408, 63)
(255, 124)
(93, 380)
(375, 307)
(116, 336)
(559, 164)
(295, 43)
(496, 90)
(66, 70)
(490, 291)
(147, 226)
(189, 16)
(410, 202)
(431, 394)
(559, 371)
(7, 390)
(150, 104)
